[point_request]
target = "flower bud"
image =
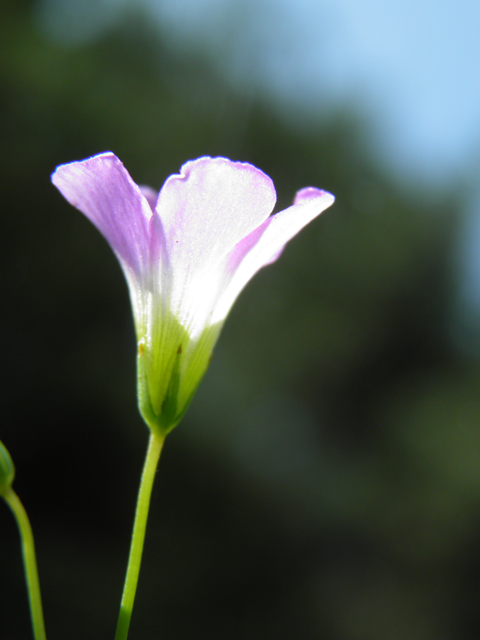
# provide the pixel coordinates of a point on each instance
(7, 470)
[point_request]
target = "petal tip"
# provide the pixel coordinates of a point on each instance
(312, 193)
(208, 162)
(105, 155)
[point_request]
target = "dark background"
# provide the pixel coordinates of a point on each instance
(325, 482)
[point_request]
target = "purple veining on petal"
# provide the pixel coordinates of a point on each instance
(102, 189)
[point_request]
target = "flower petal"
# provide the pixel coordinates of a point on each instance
(150, 194)
(103, 190)
(264, 245)
(209, 207)
(205, 211)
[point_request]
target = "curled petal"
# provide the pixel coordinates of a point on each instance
(264, 245)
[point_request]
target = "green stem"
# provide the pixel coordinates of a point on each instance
(155, 445)
(29, 563)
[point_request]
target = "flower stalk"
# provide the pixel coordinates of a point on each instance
(154, 450)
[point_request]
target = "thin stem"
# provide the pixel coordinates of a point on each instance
(29, 563)
(155, 445)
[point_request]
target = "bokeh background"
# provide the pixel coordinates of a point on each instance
(325, 483)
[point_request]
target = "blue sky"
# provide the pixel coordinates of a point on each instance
(411, 66)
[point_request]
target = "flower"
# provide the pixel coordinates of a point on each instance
(186, 254)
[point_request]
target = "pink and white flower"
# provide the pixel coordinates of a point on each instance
(186, 253)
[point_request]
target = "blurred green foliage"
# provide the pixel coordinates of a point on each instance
(326, 480)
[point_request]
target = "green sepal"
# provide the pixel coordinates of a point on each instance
(7, 469)
(169, 370)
